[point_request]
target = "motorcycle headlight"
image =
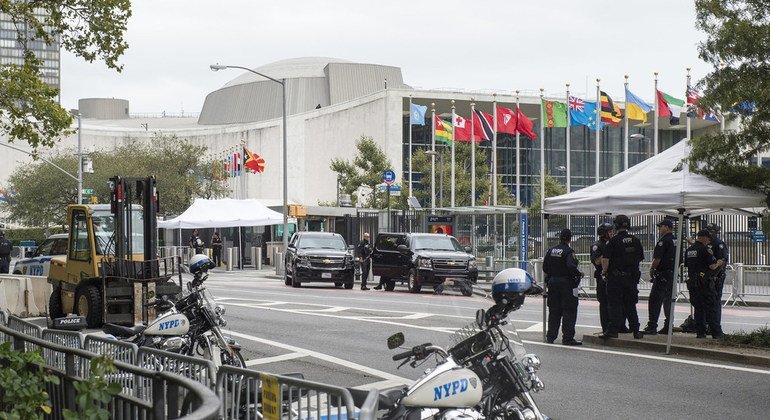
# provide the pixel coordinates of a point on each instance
(219, 309)
(425, 263)
(531, 361)
(472, 263)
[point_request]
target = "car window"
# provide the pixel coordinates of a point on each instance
(80, 248)
(59, 247)
(436, 243)
(322, 242)
(44, 248)
(389, 243)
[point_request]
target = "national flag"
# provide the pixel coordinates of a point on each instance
(555, 113)
(253, 162)
(417, 114)
(506, 120)
(611, 113)
(443, 131)
(237, 166)
(583, 113)
(483, 125)
(693, 110)
(710, 116)
(636, 109)
(524, 125)
(229, 166)
(462, 129)
(669, 106)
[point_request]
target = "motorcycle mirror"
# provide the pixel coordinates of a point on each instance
(395, 340)
(480, 315)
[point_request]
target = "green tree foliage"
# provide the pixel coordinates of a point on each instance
(366, 168)
(43, 192)
(738, 46)
(90, 29)
(95, 392)
(552, 189)
(421, 163)
(22, 384)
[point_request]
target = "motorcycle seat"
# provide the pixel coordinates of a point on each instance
(121, 331)
(386, 399)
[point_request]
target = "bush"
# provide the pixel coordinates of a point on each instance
(22, 384)
(759, 338)
(36, 234)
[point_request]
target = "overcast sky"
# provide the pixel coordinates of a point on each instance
(470, 45)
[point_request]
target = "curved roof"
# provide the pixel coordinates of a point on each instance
(311, 82)
(291, 68)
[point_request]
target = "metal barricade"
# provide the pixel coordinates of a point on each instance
(755, 280)
(118, 350)
(17, 324)
(72, 339)
(3, 317)
(247, 393)
(194, 368)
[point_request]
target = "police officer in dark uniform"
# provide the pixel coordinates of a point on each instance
(5, 253)
(701, 267)
(620, 265)
(721, 253)
(604, 231)
(562, 277)
(363, 252)
(662, 278)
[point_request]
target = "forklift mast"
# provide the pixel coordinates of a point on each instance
(126, 193)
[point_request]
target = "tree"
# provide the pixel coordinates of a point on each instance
(366, 168)
(421, 164)
(738, 46)
(43, 192)
(90, 29)
(552, 189)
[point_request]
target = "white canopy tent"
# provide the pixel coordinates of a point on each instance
(661, 184)
(224, 212)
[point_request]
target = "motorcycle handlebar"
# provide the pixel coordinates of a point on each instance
(403, 355)
(418, 351)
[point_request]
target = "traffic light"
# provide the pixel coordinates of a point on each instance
(94, 200)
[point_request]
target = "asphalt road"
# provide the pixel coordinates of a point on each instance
(339, 336)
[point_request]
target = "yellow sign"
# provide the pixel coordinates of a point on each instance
(271, 397)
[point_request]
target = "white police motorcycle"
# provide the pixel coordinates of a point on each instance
(190, 326)
(486, 374)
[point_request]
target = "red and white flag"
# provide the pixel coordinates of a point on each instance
(506, 120)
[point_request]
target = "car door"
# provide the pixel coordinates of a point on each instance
(385, 256)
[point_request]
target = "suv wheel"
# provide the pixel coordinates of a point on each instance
(414, 282)
(390, 285)
(286, 278)
(467, 290)
(294, 280)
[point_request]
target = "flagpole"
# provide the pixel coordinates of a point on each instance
(433, 158)
(494, 150)
(410, 146)
(473, 154)
(518, 155)
(569, 158)
(452, 192)
(243, 171)
(542, 153)
(598, 127)
(687, 105)
(655, 120)
(625, 129)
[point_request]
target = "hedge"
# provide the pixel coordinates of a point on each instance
(35, 234)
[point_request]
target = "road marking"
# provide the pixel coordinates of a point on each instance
(273, 359)
(322, 356)
(536, 327)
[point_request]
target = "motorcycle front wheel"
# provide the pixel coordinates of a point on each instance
(236, 359)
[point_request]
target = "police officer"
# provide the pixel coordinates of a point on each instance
(620, 265)
(662, 278)
(5, 253)
(604, 231)
(701, 267)
(562, 278)
(363, 252)
(721, 253)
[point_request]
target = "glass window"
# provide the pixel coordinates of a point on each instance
(44, 248)
(436, 243)
(59, 247)
(322, 242)
(80, 247)
(388, 243)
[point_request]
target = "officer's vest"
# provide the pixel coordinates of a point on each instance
(556, 261)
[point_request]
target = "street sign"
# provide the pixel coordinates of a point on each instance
(389, 177)
(88, 191)
(758, 236)
(395, 190)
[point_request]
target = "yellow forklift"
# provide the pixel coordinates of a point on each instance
(112, 271)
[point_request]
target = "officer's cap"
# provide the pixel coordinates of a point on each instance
(666, 222)
(565, 235)
(704, 232)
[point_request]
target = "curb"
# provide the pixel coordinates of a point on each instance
(725, 356)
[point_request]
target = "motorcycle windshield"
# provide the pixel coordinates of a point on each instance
(505, 337)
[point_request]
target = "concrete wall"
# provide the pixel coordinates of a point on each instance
(24, 295)
(103, 108)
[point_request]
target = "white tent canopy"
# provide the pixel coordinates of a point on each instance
(655, 186)
(223, 213)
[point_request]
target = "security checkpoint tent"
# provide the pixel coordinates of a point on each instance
(224, 212)
(661, 184)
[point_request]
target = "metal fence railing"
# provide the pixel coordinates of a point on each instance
(197, 369)
(247, 393)
(118, 350)
(17, 324)
(146, 394)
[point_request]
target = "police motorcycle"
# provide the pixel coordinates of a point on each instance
(190, 326)
(485, 374)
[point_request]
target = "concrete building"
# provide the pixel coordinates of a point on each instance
(12, 52)
(331, 104)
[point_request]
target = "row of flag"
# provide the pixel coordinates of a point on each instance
(234, 162)
(555, 114)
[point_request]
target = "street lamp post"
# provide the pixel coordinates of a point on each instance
(80, 159)
(282, 82)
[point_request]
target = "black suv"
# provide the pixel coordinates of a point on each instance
(319, 257)
(423, 259)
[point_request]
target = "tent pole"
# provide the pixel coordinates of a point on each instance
(675, 285)
(544, 228)
(240, 249)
